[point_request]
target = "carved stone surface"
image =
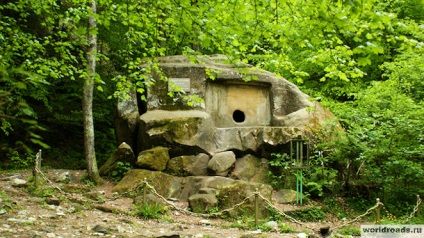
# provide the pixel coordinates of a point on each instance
(244, 109)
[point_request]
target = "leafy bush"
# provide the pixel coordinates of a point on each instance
(280, 172)
(18, 161)
(318, 177)
(121, 169)
(382, 154)
(312, 214)
(350, 231)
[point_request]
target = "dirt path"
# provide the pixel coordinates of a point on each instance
(54, 214)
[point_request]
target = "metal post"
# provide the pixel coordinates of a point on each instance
(419, 206)
(256, 208)
(297, 157)
(144, 191)
(37, 168)
(300, 153)
(378, 210)
(297, 188)
(301, 186)
(297, 153)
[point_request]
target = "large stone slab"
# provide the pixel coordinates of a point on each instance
(181, 131)
(192, 132)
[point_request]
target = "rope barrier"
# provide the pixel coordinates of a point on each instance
(293, 220)
(415, 210)
(215, 214)
(269, 203)
(48, 180)
(360, 216)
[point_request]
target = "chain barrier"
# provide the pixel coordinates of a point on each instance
(215, 214)
(416, 208)
(360, 216)
(269, 203)
(293, 220)
(48, 180)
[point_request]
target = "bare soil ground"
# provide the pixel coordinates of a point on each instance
(75, 209)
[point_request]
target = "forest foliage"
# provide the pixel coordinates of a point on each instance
(364, 60)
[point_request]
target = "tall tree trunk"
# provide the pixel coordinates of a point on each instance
(87, 99)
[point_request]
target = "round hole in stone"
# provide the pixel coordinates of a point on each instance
(238, 116)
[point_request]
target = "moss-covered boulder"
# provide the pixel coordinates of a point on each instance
(124, 153)
(165, 184)
(153, 159)
(238, 191)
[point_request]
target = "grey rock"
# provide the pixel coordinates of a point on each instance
(189, 165)
(101, 229)
(94, 195)
(252, 234)
(179, 165)
(18, 183)
(199, 166)
(205, 222)
(207, 191)
(229, 190)
(272, 225)
(221, 163)
(53, 201)
(181, 130)
(251, 168)
(127, 119)
(167, 235)
(63, 177)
